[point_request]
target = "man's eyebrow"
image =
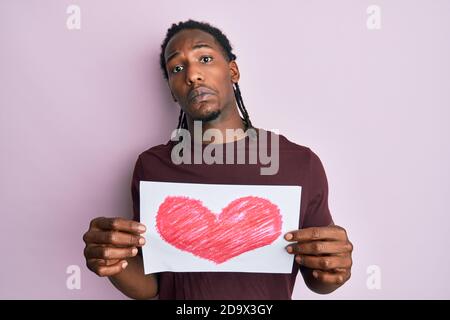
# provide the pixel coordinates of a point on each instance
(194, 47)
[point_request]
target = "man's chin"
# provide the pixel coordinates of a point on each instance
(210, 116)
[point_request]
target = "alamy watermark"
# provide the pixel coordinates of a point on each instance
(213, 153)
(73, 281)
(73, 21)
(373, 282)
(374, 17)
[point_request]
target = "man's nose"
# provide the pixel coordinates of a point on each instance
(193, 75)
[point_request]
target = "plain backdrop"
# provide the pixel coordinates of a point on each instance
(78, 106)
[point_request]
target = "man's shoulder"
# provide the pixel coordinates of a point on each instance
(160, 150)
(287, 145)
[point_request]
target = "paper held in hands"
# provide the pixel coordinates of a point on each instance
(218, 227)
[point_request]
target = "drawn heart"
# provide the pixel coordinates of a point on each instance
(243, 225)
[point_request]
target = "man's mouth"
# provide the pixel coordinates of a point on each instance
(200, 97)
(200, 93)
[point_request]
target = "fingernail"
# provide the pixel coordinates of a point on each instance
(315, 274)
(289, 249)
(134, 251)
(141, 241)
(141, 228)
(288, 236)
(298, 259)
(124, 265)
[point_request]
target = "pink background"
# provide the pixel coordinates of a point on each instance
(78, 106)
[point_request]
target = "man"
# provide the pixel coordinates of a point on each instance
(203, 76)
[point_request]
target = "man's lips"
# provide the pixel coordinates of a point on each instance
(200, 97)
(199, 92)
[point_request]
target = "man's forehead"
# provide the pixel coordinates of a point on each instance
(189, 38)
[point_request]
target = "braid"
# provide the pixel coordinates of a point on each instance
(240, 102)
(182, 121)
(179, 119)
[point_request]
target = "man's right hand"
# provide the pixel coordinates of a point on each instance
(110, 242)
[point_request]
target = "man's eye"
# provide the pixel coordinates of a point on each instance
(176, 69)
(207, 57)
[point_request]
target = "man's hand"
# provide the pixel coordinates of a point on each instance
(109, 242)
(326, 251)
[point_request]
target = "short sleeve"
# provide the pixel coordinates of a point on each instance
(317, 211)
(137, 174)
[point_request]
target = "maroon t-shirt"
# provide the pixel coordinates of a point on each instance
(298, 166)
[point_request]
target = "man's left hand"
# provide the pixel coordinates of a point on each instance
(325, 250)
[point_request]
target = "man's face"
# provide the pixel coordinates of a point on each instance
(199, 76)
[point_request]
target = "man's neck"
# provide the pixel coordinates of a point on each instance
(228, 127)
(223, 132)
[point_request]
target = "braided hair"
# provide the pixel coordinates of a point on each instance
(229, 56)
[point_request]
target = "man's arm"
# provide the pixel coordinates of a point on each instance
(317, 285)
(134, 283)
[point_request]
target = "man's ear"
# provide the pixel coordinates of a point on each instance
(234, 71)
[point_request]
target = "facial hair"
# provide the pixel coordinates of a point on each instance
(208, 117)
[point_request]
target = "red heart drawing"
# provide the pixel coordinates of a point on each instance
(245, 224)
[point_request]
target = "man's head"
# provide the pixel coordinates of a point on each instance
(200, 68)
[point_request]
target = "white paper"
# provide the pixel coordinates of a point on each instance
(272, 212)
